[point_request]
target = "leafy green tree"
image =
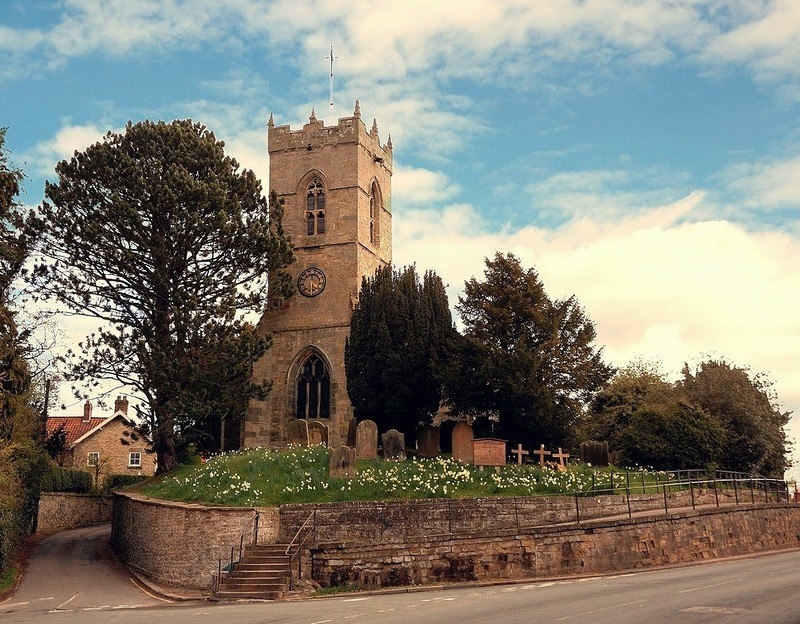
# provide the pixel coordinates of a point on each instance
(670, 436)
(525, 358)
(22, 461)
(400, 334)
(17, 421)
(613, 408)
(746, 407)
(160, 237)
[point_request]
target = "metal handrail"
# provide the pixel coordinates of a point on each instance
(307, 526)
(216, 579)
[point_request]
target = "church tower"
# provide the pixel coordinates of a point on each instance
(336, 185)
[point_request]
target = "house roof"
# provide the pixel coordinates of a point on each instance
(75, 426)
(78, 428)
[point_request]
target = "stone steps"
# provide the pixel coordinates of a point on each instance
(262, 573)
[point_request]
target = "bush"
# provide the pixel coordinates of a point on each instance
(117, 481)
(59, 479)
(21, 467)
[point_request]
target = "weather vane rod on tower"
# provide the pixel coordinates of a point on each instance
(332, 120)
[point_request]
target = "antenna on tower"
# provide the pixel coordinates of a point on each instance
(331, 57)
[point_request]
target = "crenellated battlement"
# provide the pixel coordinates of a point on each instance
(315, 134)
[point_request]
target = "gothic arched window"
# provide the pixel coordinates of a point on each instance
(315, 207)
(313, 388)
(374, 214)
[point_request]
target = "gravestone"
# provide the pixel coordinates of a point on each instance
(489, 452)
(520, 453)
(561, 457)
(394, 445)
(428, 441)
(297, 432)
(317, 433)
(541, 453)
(367, 440)
(594, 453)
(342, 462)
(462, 442)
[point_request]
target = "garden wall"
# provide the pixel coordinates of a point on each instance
(59, 511)
(597, 546)
(180, 544)
(424, 541)
(401, 520)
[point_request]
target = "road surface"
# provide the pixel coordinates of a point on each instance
(72, 579)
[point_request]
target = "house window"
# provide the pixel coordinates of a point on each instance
(315, 207)
(313, 389)
(93, 458)
(134, 460)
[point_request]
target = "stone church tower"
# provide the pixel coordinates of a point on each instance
(336, 185)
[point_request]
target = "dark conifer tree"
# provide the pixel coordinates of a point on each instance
(524, 359)
(401, 332)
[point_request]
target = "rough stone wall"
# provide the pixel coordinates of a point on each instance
(180, 544)
(429, 541)
(398, 521)
(598, 546)
(59, 511)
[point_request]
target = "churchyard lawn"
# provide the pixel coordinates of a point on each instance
(260, 477)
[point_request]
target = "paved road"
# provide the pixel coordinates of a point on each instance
(72, 579)
(75, 571)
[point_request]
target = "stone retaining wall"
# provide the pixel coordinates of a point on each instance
(180, 544)
(424, 541)
(595, 547)
(401, 520)
(59, 511)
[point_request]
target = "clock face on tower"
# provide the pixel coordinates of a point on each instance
(311, 282)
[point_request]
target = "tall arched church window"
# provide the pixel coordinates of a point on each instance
(313, 388)
(315, 207)
(374, 214)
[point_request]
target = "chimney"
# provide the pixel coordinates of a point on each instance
(121, 405)
(87, 411)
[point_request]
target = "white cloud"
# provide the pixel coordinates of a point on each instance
(765, 185)
(655, 285)
(69, 139)
(767, 42)
(415, 187)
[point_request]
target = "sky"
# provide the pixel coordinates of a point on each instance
(641, 155)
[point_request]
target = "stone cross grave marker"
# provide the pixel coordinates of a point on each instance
(541, 453)
(462, 442)
(297, 432)
(428, 441)
(394, 445)
(519, 453)
(561, 457)
(342, 462)
(367, 440)
(489, 452)
(317, 433)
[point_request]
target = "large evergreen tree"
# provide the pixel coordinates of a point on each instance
(163, 239)
(528, 360)
(400, 333)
